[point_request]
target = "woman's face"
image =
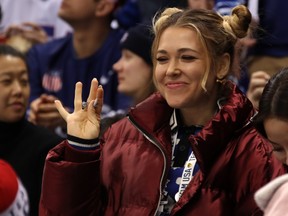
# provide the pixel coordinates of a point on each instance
(134, 74)
(181, 62)
(14, 87)
(277, 133)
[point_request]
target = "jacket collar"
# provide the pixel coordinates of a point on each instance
(235, 111)
(234, 114)
(152, 114)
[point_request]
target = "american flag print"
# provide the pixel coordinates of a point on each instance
(52, 81)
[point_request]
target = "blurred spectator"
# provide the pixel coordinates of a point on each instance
(270, 52)
(23, 145)
(272, 198)
(13, 196)
(28, 22)
(272, 123)
(88, 53)
(134, 12)
(134, 69)
(128, 15)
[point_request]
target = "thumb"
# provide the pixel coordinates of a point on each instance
(61, 109)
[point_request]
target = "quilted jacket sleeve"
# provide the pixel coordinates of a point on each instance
(71, 182)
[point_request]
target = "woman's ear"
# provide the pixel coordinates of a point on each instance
(224, 66)
(104, 8)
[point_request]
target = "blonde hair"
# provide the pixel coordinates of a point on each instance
(218, 34)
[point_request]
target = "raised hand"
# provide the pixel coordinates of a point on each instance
(84, 122)
(257, 83)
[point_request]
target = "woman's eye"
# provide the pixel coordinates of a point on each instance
(161, 59)
(188, 57)
(24, 82)
(127, 56)
(6, 81)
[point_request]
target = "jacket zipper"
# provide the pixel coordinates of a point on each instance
(155, 143)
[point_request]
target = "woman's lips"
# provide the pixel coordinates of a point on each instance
(175, 85)
(17, 105)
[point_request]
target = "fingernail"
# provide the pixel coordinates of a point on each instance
(95, 103)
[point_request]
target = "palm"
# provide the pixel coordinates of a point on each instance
(84, 123)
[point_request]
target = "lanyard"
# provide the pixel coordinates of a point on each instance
(187, 175)
(167, 203)
(189, 165)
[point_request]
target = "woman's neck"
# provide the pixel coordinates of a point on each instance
(196, 116)
(201, 113)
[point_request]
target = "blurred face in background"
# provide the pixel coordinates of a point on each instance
(14, 88)
(134, 75)
(277, 132)
(74, 11)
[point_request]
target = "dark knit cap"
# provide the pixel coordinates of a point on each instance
(139, 40)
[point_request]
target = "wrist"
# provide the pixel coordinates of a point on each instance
(80, 143)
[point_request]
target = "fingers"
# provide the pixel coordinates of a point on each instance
(49, 119)
(47, 107)
(78, 96)
(33, 26)
(98, 102)
(32, 117)
(13, 30)
(30, 31)
(34, 106)
(35, 36)
(256, 86)
(48, 98)
(258, 80)
(61, 110)
(95, 97)
(93, 90)
(260, 74)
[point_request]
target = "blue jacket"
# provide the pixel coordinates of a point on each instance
(54, 69)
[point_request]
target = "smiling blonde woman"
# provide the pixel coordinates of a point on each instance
(188, 149)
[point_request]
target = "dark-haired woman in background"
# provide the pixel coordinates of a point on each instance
(22, 144)
(272, 123)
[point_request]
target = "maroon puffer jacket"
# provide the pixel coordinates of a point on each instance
(127, 174)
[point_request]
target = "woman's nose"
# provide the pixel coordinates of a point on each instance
(173, 69)
(17, 87)
(117, 65)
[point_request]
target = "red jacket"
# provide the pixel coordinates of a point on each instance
(127, 174)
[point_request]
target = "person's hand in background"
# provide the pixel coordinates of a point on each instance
(43, 112)
(257, 83)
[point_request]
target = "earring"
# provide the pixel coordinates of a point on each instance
(221, 80)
